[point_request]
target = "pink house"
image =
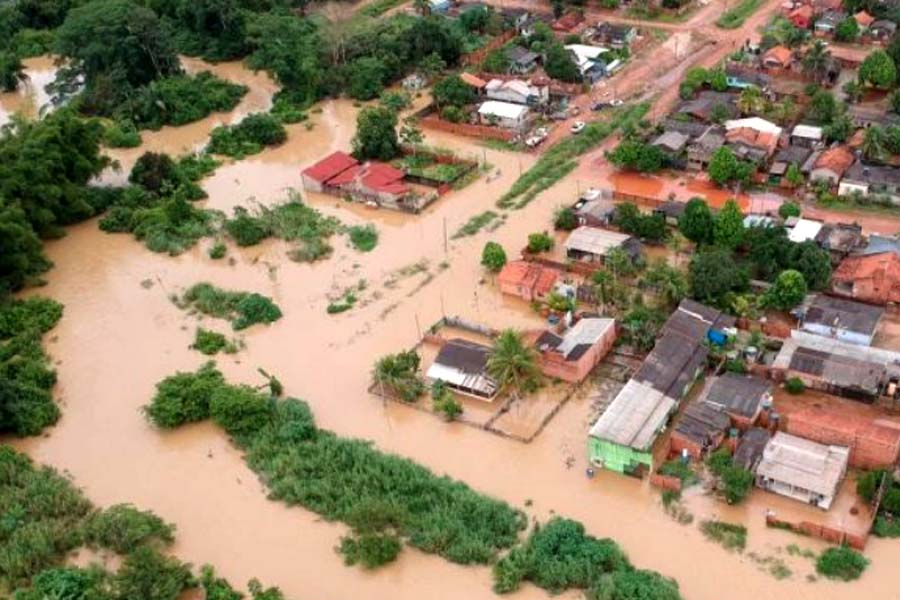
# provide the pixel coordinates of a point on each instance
(527, 280)
(574, 353)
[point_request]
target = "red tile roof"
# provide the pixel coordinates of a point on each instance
(863, 18)
(376, 176)
(779, 55)
(836, 159)
(330, 166)
(472, 80)
(805, 12)
(881, 271)
(537, 278)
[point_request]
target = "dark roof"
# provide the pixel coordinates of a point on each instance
(840, 237)
(793, 154)
(702, 106)
(877, 244)
(702, 423)
(750, 448)
(468, 357)
(671, 208)
(738, 394)
(614, 30)
(873, 174)
(518, 54)
(691, 128)
(845, 314)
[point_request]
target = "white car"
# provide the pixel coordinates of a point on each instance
(577, 127)
(616, 102)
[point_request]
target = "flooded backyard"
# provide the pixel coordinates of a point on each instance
(118, 337)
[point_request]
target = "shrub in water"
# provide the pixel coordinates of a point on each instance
(184, 397)
(149, 575)
(122, 528)
(364, 238)
(371, 550)
(843, 563)
(240, 410)
(212, 342)
(249, 136)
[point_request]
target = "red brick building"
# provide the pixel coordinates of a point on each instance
(873, 442)
(873, 278)
(527, 280)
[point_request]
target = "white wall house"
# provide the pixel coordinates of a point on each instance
(504, 114)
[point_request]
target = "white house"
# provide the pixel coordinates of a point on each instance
(588, 60)
(800, 230)
(517, 92)
(504, 114)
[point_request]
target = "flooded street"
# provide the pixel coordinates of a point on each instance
(118, 338)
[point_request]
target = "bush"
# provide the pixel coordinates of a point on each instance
(371, 550)
(67, 583)
(635, 585)
(729, 535)
(794, 385)
(123, 528)
(121, 134)
(182, 99)
(539, 242)
(244, 229)
(26, 376)
(789, 209)
(364, 238)
(841, 563)
(240, 410)
(557, 557)
(212, 342)
(183, 397)
(243, 309)
(149, 575)
(248, 137)
(565, 220)
(867, 484)
(399, 374)
(253, 309)
(681, 470)
(493, 257)
(217, 251)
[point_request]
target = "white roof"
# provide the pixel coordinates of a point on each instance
(810, 132)
(516, 85)
(473, 381)
(804, 463)
(805, 229)
(594, 240)
(504, 110)
(586, 331)
(635, 417)
(585, 56)
(755, 123)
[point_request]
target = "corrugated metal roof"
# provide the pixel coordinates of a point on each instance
(593, 240)
(804, 463)
(635, 417)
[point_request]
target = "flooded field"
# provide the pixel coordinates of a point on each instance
(31, 96)
(118, 338)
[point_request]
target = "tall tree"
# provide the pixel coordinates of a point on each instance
(696, 222)
(21, 252)
(729, 226)
(376, 134)
(873, 143)
(788, 291)
(816, 61)
(559, 64)
(713, 273)
(878, 70)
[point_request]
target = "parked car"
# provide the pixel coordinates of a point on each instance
(537, 136)
(577, 127)
(616, 102)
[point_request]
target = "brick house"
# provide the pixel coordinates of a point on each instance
(572, 355)
(700, 430)
(871, 278)
(527, 280)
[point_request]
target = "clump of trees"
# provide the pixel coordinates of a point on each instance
(735, 482)
(250, 136)
(630, 219)
(211, 343)
(842, 563)
(26, 375)
(637, 155)
(243, 309)
(399, 375)
(376, 134)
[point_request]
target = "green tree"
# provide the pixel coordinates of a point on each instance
(603, 285)
(788, 209)
(847, 30)
(873, 143)
(366, 77)
(668, 282)
(513, 364)
(638, 156)
(634, 584)
(22, 256)
(722, 166)
(840, 128)
(214, 29)
(290, 49)
(878, 70)
(116, 45)
(452, 91)
(794, 177)
(841, 562)
(728, 230)
(11, 71)
(696, 222)
(493, 257)
(813, 262)
(751, 101)
(718, 80)
(565, 219)
(788, 291)
(817, 60)
(560, 64)
(714, 273)
(399, 374)
(411, 134)
(539, 242)
(376, 134)
(149, 575)
(822, 107)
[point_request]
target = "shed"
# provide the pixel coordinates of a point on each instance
(592, 244)
(806, 135)
(801, 230)
(462, 366)
(700, 430)
(802, 469)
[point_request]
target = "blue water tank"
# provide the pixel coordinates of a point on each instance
(717, 337)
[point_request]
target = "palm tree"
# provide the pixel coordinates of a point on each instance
(751, 101)
(817, 60)
(513, 364)
(399, 373)
(873, 143)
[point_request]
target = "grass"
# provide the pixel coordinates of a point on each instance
(347, 301)
(211, 343)
(560, 159)
(243, 309)
(27, 377)
(364, 238)
(729, 535)
(735, 17)
(681, 470)
(379, 7)
(476, 224)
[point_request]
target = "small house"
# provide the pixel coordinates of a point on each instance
(700, 430)
(527, 280)
(741, 397)
(839, 318)
(671, 211)
(828, 22)
(871, 278)
(742, 78)
(802, 469)
(595, 212)
(521, 61)
(414, 82)
(871, 180)
(373, 182)
(784, 158)
(777, 57)
(315, 177)
(672, 143)
(705, 106)
(882, 30)
(516, 91)
(588, 59)
(750, 448)
(806, 136)
(592, 244)
(615, 35)
(840, 239)
(831, 165)
(439, 6)
(572, 355)
(753, 138)
(701, 150)
(864, 20)
(800, 229)
(462, 366)
(503, 114)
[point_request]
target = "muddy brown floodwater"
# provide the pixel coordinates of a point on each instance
(119, 337)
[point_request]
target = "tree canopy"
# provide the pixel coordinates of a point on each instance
(696, 222)
(376, 134)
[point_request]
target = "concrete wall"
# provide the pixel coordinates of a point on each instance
(851, 337)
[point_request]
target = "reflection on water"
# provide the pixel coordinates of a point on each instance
(32, 96)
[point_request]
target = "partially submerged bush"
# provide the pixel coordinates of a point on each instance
(399, 374)
(247, 137)
(371, 550)
(182, 99)
(843, 563)
(730, 535)
(149, 575)
(243, 309)
(240, 410)
(123, 528)
(363, 237)
(184, 397)
(212, 342)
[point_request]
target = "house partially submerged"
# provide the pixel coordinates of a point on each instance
(316, 176)
(700, 430)
(802, 469)
(462, 366)
(873, 278)
(527, 280)
(622, 438)
(593, 210)
(592, 244)
(741, 397)
(839, 318)
(371, 182)
(573, 354)
(857, 372)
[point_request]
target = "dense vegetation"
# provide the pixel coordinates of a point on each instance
(46, 517)
(243, 309)
(341, 479)
(26, 376)
(249, 136)
(841, 562)
(734, 481)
